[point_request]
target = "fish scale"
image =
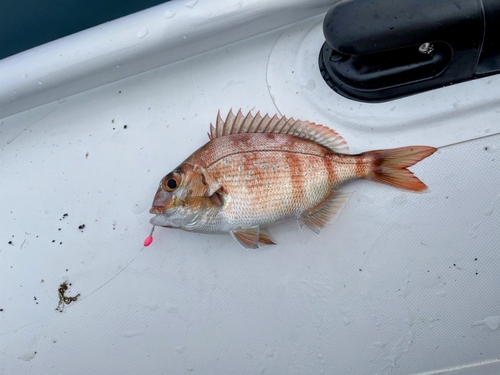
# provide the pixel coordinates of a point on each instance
(256, 171)
(261, 195)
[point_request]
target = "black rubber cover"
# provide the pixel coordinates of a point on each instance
(377, 50)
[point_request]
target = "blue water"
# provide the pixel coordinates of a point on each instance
(28, 23)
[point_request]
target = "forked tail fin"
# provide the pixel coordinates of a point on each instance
(390, 166)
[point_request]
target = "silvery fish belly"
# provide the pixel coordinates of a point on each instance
(257, 170)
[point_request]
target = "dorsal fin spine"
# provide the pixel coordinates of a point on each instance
(266, 120)
(280, 125)
(260, 121)
(241, 122)
(224, 124)
(217, 129)
(247, 122)
(236, 123)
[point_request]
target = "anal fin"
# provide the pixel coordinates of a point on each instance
(317, 217)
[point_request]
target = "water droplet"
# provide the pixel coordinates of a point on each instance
(141, 34)
(119, 137)
(411, 319)
(441, 293)
(40, 83)
(150, 305)
(184, 37)
(169, 14)
(27, 356)
(132, 333)
(141, 205)
(489, 211)
(191, 4)
(118, 66)
(311, 85)
(180, 349)
(25, 76)
(172, 310)
(492, 322)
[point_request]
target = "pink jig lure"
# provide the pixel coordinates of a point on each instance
(149, 239)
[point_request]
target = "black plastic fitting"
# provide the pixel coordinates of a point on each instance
(377, 50)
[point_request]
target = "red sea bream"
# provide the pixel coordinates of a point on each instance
(256, 171)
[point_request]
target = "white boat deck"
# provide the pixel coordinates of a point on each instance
(400, 283)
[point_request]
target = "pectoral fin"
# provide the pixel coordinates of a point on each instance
(217, 199)
(317, 217)
(213, 189)
(250, 237)
(211, 183)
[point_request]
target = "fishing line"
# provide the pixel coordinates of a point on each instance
(147, 242)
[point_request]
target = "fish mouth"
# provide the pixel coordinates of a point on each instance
(161, 221)
(156, 210)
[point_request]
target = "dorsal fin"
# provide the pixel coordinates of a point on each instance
(257, 124)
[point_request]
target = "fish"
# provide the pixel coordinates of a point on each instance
(257, 170)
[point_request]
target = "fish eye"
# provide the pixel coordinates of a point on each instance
(172, 184)
(172, 181)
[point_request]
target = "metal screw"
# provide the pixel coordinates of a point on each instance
(426, 48)
(336, 56)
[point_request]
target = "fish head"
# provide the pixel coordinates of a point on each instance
(177, 201)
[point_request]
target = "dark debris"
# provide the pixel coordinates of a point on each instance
(63, 299)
